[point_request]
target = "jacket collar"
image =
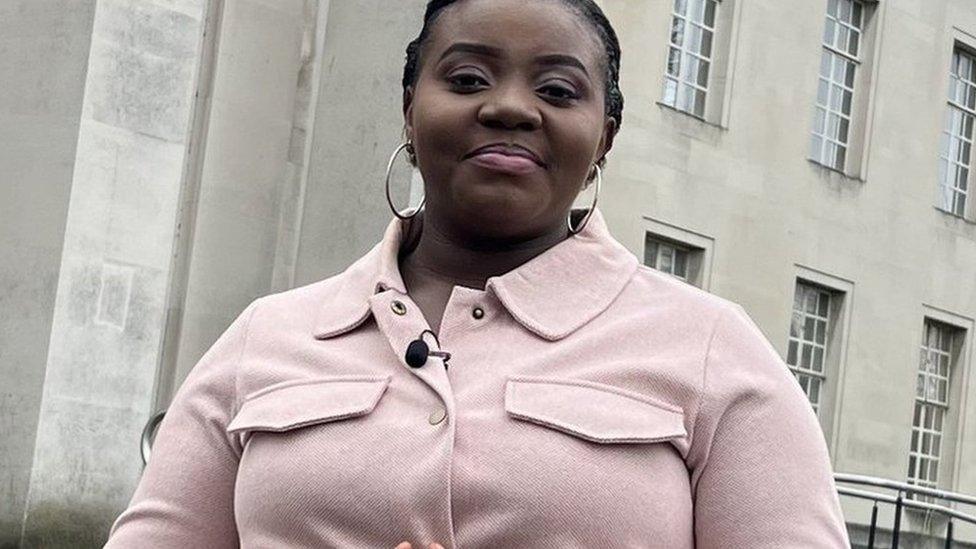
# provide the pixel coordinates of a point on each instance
(552, 295)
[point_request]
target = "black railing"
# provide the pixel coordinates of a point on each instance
(900, 503)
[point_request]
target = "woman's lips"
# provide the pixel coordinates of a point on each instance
(505, 163)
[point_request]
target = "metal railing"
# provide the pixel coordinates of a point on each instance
(148, 433)
(900, 503)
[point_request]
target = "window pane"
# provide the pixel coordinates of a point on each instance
(703, 73)
(818, 361)
(791, 354)
(666, 259)
(650, 253)
(843, 35)
(674, 62)
(706, 45)
(699, 103)
(691, 67)
(681, 263)
(840, 158)
(670, 92)
(710, 8)
(824, 304)
(829, 30)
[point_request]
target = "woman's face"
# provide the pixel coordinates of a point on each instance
(527, 76)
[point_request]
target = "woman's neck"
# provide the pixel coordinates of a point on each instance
(452, 259)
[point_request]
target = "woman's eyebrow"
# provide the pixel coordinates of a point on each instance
(468, 47)
(561, 59)
(491, 51)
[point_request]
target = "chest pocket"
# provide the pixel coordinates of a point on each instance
(296, 404)
(592, 411)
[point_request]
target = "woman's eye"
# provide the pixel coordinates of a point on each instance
(466, 80)
(559, 93)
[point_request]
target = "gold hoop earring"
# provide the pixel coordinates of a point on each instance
(589, 214)
(408, 146)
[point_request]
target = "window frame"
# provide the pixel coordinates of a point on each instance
(701, 248)
(841, 309)
(725, 37)
(685, 52)
(799, 344)
(832, 54)
(950, 463)
(958, 46)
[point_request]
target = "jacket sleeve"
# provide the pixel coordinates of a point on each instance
(186, 495)
(761, 473)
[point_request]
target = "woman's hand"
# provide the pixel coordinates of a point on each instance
(406, 545)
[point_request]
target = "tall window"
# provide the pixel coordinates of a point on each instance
(835, 89)
(808, 340)
(931, 405)
(690, 55)
(957, 137)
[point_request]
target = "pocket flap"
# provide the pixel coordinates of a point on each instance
(592, 411)
(294, 404)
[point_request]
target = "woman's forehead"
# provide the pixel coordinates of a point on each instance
(517, 28)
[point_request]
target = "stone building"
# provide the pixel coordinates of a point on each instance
(164, 162)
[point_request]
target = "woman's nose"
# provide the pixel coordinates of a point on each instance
(510, 107)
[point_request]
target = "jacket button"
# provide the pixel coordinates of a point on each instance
(398, 307)
(437, 416)
(478, 313)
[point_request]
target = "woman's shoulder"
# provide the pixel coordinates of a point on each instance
(655, 290)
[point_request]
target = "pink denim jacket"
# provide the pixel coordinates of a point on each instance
(588, 402)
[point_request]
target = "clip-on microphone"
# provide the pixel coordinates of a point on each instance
(418, 351)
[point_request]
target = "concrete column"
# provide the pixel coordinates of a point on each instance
(115, 267)
(250, 178)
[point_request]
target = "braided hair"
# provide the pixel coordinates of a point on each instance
(587, 9)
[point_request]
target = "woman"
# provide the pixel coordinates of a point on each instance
(494, 373)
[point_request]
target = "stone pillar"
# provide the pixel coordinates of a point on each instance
(110, 304)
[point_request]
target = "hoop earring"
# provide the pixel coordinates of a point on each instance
(586, 218)
(389, 198)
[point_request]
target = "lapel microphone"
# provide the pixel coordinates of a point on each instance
(418, 351)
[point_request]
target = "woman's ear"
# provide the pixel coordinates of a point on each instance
(408, 111)
(606, 141)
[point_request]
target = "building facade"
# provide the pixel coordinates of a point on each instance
(168, 161)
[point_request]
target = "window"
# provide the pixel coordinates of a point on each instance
(690, 55)
(931, 405)
(678, 251)
(667, 258)
(839, 62)
(807, 349)
(957, 137)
